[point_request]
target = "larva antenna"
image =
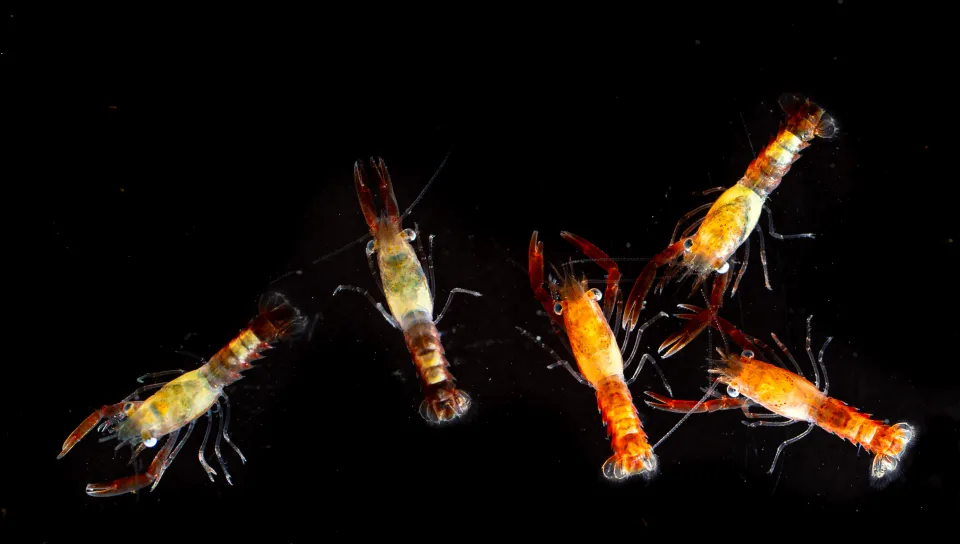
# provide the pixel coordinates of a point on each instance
(687, 415)
(427, 186)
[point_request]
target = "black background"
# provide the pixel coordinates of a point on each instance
(165, 165)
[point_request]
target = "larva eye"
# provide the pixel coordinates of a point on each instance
(409, 235)
(371, 247)
(733, 391)
(558, 308)
(150, 442)
(723, 269)
(688, 244)
(747, 354)
(595, 294)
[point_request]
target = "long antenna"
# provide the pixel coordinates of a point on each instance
(427, 186)
(688, 414)
(332, 253)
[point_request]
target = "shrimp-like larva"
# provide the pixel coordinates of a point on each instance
(180, 402)
(410, 298)
(575, 309)
(751, 382)
(730, 221)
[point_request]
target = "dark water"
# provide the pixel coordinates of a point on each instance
(185, 160)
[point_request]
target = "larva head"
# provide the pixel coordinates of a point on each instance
(576, 300)
(133, 430)
(891, 445)
(734, 370)
(702, 255)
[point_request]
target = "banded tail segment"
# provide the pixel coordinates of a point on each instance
(887, 442)
(277, 320)
(443, 402)
(805, 120)
(632, 453)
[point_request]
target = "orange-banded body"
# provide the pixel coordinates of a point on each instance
(410, 298)
(730, 221)
(576, 311)
(751, 381)
(183, 400)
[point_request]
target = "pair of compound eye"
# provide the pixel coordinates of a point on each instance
(688, 247)
(408, 235)
(593, 294)
(731, 390)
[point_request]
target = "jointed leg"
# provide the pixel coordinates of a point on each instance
(816, 373)
(158, 374)
(169, 460)
(783, 236)
(647, 357)
(696, 324)
(743, 266)
(535, 270)
(203, 446)
(373, 266)
(668, 404)
(216, 447)
(454, 291)
(367, 206)
(722, 325)
(387, 197)
(691, 226)
(636, 340)
(695, 211)
(424, 261)
(753, 415)
(787, 443)
(770, 423)
(639, 291)
(710, 191)
(226, 423)
(144, 389)
(617, 315)
(433, 273)
(763, 260)
(826, 382)
(559, 361)
(88, 424)
(774, 358)
(130, 484)
(390, 319)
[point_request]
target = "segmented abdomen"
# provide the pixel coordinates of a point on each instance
(765, 172)
(225, 367)
(442, 400)
(423, 342)
(632, 452)
(846, 422)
